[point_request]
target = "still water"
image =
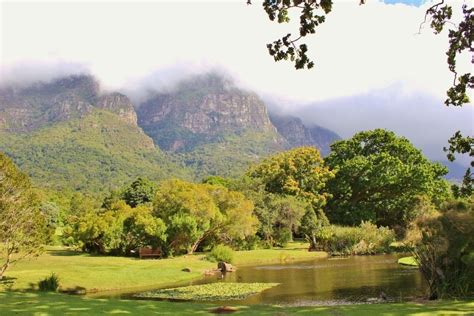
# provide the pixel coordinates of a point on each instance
(332, 280)
(329, 281)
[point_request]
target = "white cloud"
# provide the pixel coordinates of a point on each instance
(359, 48)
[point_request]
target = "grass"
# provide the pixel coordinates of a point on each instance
(293, 252)
(210, 292)
(101, 273)
(408, 261)
(37, 303)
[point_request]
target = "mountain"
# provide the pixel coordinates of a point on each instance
(297, 134)
(201, 110)
(214, 126)
(67, 134)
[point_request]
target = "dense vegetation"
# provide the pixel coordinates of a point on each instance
(96, 153)
(376, 183)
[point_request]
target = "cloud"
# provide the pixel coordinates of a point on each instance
(420, 117)
(359, 48)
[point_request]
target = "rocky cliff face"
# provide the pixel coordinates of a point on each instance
(27, 109)
(119, 104)
(202, 110)
(297, 134)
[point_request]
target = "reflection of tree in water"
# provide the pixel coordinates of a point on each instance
(354, 279)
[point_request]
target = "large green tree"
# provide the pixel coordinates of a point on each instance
(194, 212)
(380, 178)
(299, 172)
(23, 228)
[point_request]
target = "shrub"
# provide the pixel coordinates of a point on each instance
(49, 284)
(366, 239)
(221, 253)
(443, 244)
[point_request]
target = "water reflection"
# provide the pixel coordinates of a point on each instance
(353, 279)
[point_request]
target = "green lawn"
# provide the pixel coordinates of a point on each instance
(99, 273)
(35, 303)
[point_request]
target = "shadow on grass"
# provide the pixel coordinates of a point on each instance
(59, 304)
(64, 253)
(7, 282)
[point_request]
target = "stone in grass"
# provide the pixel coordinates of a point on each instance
(186, 270)
(225, 267)
(224, 310)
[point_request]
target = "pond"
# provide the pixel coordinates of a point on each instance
(337, 280)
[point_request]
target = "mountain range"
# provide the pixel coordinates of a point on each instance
(70, 133)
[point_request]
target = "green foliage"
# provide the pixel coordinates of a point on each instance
(365, 239)
(312, 14)
(140, 191)
(299, 172)
(443, 243)
(49, 284)
(379, 178)
(210, 292)
(462, 145)
(23, 228)
(116, 230)
(195, 212)
(96, 153)
(231, 155)
(221, 253)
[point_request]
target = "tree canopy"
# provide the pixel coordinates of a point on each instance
(23, 228)
(380, 177)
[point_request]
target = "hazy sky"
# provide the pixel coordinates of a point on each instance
(360, 50)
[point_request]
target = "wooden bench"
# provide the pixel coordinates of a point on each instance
(144, 252)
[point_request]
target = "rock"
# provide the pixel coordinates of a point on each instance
(201, 110)
(224, 310)
(225, 267)
(298, 134)
(119, 104)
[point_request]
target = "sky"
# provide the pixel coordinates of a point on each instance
(362, 54)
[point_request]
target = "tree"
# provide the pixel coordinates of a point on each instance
(140, 191)
(194, 212)
(299, 172)
(116, 230)
(379, 178)
(23, 228)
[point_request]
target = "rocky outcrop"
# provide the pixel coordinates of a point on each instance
(29, 108)
(201, 110)
(119, 104)
(297, 134)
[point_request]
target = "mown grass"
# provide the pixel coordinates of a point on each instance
(36, 303)
(293, 252)
(100, 273)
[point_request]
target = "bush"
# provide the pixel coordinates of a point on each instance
(366, 239)
(49, 284)
(443, 244)
(221, 253)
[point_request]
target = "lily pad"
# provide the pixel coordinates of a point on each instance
(221, 291)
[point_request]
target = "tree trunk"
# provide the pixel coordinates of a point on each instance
(195, 245)
(5, 265)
